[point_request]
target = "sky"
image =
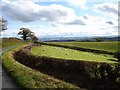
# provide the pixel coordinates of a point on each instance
(61, 18)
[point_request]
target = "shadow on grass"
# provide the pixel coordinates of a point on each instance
(113, 60)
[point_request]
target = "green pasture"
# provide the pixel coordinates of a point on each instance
(104, 46)
(70, 54)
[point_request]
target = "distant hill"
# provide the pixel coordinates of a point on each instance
(66, 39)
(111, 38)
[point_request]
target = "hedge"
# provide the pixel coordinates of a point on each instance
(28, 78)
(81, 73)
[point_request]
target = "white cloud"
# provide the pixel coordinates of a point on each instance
(28, 11)
(78, 21)
(9, 33)
(63, 20)
(93, 28)
(68, 30)
(108, 9)
(95, 20)
(78, 3)
(41, 0)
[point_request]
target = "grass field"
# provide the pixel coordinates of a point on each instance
(30, 78)
(104, 46)
(5, 42)
(58, 52)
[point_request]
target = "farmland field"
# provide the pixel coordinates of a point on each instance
(69, 54)
(104, 46)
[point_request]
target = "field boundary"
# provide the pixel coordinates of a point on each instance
(90, 74)
(78, 48)
(28, 78)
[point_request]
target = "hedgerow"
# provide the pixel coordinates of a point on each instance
(28, 78)
(82, 73)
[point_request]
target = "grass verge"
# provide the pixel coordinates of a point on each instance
(29, 78)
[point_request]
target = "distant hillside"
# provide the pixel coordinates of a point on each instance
(66, 39)
(111, 38)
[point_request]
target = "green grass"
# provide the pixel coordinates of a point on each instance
(29, 78)
(58, 52)
(104, 46)
(6, 42)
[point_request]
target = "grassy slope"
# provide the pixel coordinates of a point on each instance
(105, 46)
(29, 78)
(10, 42)
(57, 52)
